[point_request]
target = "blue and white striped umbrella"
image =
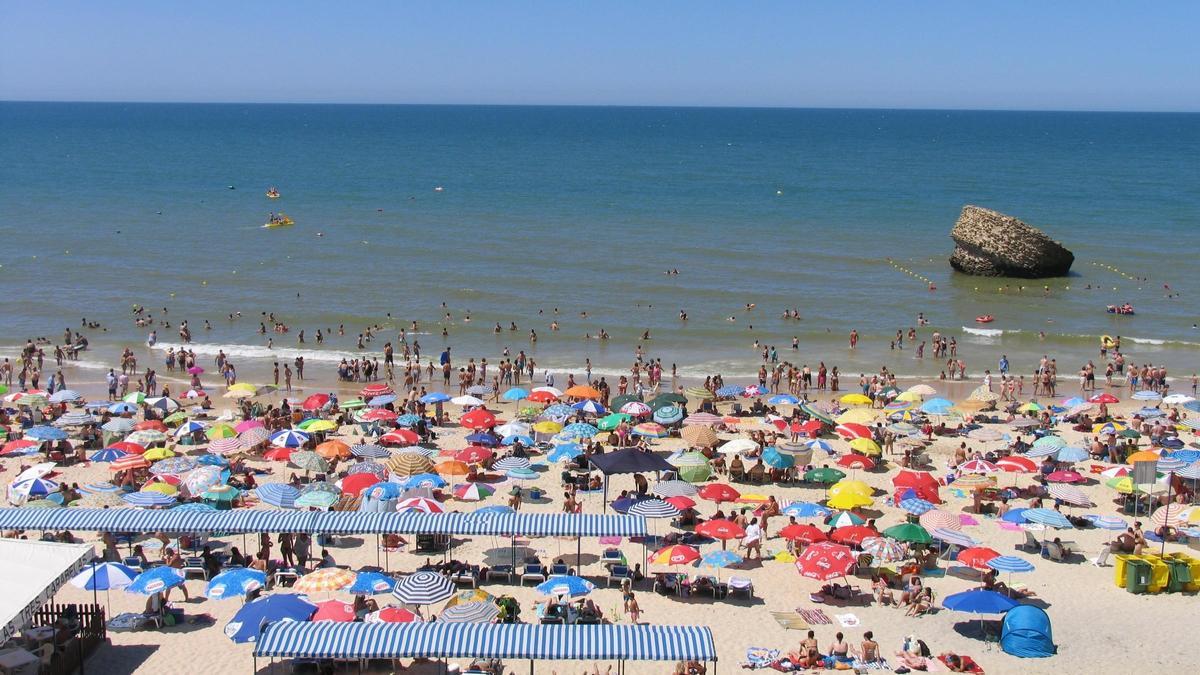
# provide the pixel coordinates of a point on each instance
(122, 408)
(729, 391)
(379, 401)
(1190, 472)
(155, 580)
(281, 495)
(806, 510)
(558, 410)
(234, 583)
(565, 452)
(148, 499)
(515, 394)
(566, 584)
(818, 444)
(369, 451)
(188, 428)
(1147, 395)
(374, 468)
(916, 505)
(64, 396)
(104, 577)
(289, 438)
(1049, 441)
(783, 399)
(100, 488)
(953, 537)
(1010, 563)
(469, 612)
(1071, 454)
(1172, 464)
(668, 414)
(118, 425)
(173, 466)
(517, 438)
(33, 487)
(1044, 451)
(434, 397)
(579, 430)
(1107, 522)
(590, 407)
(107, 455)
(371, 583)
(1048, 517)
(522, 474)
(653, 508)
(674, 488)
(1185, 456)
(1149, 413)
(511, 463)
(44, 433)
(423, 588)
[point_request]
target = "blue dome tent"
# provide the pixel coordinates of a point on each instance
(1026, 633)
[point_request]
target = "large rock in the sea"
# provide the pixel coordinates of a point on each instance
(991, 244)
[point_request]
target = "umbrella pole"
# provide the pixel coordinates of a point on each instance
(578, 553)
(378, 545)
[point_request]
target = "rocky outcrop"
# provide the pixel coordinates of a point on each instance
(991, 244)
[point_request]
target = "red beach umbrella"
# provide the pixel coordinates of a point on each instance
(316, 401)
(856, 462)
(851, 431)
(977, 556)
(824, 561)
(479, 418)
(719, 492)
(808, 534)
(721, 529)
(853, 534)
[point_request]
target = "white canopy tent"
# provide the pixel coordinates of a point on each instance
(31, 572)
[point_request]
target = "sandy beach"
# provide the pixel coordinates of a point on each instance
(1096, 625)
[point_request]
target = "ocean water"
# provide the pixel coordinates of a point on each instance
(841, 214)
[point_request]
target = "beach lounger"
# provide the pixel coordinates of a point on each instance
(1101, 560)
(1031, 542)
(286, 576)
(559, 570)
(618, 573)
(500, 571)
(534, 573)
(193, 566)
(466, 576)
(741, 585)
(133, 562)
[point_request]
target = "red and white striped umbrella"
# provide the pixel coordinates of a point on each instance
(980, 466)
(937, 518)
(1069, 494)
(422, 504)
(1171, 515)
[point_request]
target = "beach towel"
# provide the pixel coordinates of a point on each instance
(968, 664)
(880, 664)
(815, 617)
(848, 620)
(760, 657)
(784, 556)
(790, 620)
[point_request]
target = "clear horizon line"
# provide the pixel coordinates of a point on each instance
(609, 105)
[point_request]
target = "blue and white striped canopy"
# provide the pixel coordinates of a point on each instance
(439, 639)
(423, 588)
(236, 521)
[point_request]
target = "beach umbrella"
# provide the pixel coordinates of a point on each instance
(1105, 398)
(909, 532)
(681, 502)
(315, 402)
(718, 492)
(107, 455)
(808, 534)
(674, 488)
(20, 446)
(977, 557)
(478, 418)
(155, 580)
(65, 396)
(467, 401)
(226, 446)
(650, 430)
(473, 492)
(425, 480)
(677, 554)
(565, 452)
(309, 461)
(372, 583)
(853, 534)
(121, 408)
(104, 577)
(376, 415)
(129, 462)
(148, 499)
(806, 510)
(824, 561)
(409, 464)
(721, 529)
(369, 451)
(1065, 477)
(45, 433)
(334, 611)
(220, 431)
(653, 508)
(1107, 522)
(844, 519)
(854, 461)
(171, 465)
(1048, 517)
(979, 601)
(457, 468)
(356, 483)
(332, 449)
(978, 466)
(383, 491)
(281, 495)
(235, 583)
(75, 419)
(400, 438)
(700, 436)
(255, 436)
(391, 615)
(1017, 464)
(851, 431)
(668, 414)
(313, 426)
(590, 407)
(777, 460)
(515, 394)
(1069, 495)
(324, 580)
(202, 479)
(423, 588)
(159, 454)
(510, 464)
(567, 585)
(986, 435)
(1171, 515)
(883, 550)
(289, 438)
(254, 616)
(1009, 563)
(580, 430)
(470, 612)
(783, 399)
(737, 446)
(823, 475)
(420, 504)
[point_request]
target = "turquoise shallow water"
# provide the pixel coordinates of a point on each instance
(105, 205)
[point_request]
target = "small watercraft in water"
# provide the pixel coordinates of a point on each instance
(986, 318)
(281, 220)
(1123, 309)
(272, 193)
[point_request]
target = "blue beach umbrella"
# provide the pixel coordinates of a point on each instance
(517, 438)
(729, 391)
(212, 460)
(408, 420)
(979, 601)
(1071, 454)
(44, 433)
(188, 428)
(155, 580)
(936, 406)
(1014, 516)
(372, 583)
(522, 474)
(384, 491)
(818, 444)
(486, 440)
(280, 495)
(1147, 395)
(33, 487)
(234, 583)
(558, 410)
(434, 397)
(783, 399)
(668, 414)
(254, 616)
(107, 455)
(1107, 522)
(380, 401)
(515, 394)
(579, 430)
(122, 408)
(565, 452)
(777, 460)
(567, 584)
(719, 559)
(1048, 517)
(118, 425)
(590, 407)
(1010, 563)
(430, 480)
(289, 438)
(806, 510)
(148, 499)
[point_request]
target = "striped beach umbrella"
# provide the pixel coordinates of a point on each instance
(1010, 563)
(147, 499)
(511, 464)
(226, 446)
(309, 461)
(653, 508)
(931, 520)
(324, 580)
(369, 451)
(107, 455)
(281, 495)
(650, 430)
(1047, 517)
(470, 612)
(883, 550)
(674, 488)
(254, 436)
(1069, 494)
(423, 587)
(954, 537)
(104, 577)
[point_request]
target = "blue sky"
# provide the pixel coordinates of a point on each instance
(1011, 55)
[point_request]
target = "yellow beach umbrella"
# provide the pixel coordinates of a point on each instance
(849, 500)
(866, 446)
(850, 485)
(909, 397)
(855, 399)
(243, 386)
(324, 580)
(321, 425)
(161, 488)
(155, 454)
(220, 431)
(857, 416)
(547, 427)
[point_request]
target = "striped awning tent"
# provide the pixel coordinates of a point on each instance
(238, 521)
(327, 640)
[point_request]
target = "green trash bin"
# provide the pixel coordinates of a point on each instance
(1137, 575)
(1179, 576)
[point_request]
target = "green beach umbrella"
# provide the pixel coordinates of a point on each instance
(352, 404)
(177, 417)
(220, 431)
(909, 532)
(611, 421)
(1129, 433)
(309, 461)
(817, 414)
(824, 475)
(622, 400)
(698, 393)
(136, 398)
(695, 474)
(669, 397)
(658, 404)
